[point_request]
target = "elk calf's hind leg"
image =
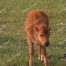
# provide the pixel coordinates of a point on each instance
(40, 54)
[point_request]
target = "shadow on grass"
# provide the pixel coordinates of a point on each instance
(35, 63)
(40, 64)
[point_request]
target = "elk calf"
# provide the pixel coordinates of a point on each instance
(37, 29)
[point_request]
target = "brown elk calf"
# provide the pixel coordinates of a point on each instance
(37, 28)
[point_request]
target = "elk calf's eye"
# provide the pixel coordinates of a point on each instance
(37, 29)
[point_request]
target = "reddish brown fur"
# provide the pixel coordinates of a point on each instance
(37, 28)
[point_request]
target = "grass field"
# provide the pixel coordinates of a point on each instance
(13, 43)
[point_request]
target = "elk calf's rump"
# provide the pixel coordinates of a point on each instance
(37, 29)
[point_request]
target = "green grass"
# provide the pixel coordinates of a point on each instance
(13, 36)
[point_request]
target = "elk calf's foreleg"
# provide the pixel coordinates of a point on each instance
(30, 44)
(43, 51)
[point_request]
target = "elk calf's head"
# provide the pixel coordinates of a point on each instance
(42, 32)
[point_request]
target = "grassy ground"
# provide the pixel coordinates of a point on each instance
(13, 44)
